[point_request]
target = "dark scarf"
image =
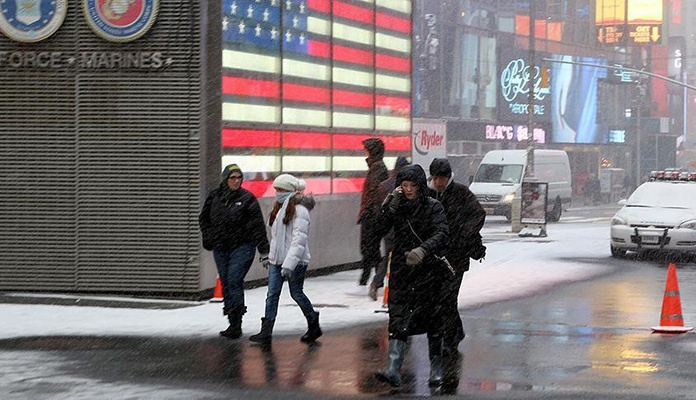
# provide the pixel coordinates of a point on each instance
(228, 195)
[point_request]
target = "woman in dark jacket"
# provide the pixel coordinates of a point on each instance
(233, 228)
(416, 276)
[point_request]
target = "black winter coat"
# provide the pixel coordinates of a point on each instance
(414, 292)
(232, 218)
(465, 218)
(371, 199)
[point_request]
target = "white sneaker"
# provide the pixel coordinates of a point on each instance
(359, 290)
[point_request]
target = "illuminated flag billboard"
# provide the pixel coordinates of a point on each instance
(305, 81)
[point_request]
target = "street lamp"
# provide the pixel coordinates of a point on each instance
(530, 119)
(536, 229)
(639, 116)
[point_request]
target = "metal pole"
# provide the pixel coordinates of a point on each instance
(639, 72)
(532, 70)
(638, 134)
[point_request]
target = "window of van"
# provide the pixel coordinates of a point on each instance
(493, 173)
(553, 172)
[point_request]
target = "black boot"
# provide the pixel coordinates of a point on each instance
(313, 329)
(392, 376)
(234, 331)
(266, 333)
(451, 360)
(435, 355)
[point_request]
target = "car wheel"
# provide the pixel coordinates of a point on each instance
(555, 214)
(508, 215)
(618, 253)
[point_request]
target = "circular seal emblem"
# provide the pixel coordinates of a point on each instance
(31, 20)
(120, 20)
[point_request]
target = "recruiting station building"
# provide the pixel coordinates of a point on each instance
(117, 120)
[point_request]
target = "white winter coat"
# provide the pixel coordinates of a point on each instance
(296, 240)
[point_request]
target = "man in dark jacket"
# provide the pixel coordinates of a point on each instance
(416, 279)
(465, 217)
(369, 208)
(232, 227)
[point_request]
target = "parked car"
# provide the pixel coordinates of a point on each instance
(660, 215)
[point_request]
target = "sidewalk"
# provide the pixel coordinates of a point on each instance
(512, 268)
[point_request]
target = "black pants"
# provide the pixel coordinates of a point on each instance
(453, 331)
(381, 273)
(369, 248)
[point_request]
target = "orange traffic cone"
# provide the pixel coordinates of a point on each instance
(385, 298)
(671, 320)
(217, 293)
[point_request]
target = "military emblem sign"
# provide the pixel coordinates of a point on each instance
(31, 20)
(120, 20)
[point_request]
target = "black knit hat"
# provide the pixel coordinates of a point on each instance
(400, 162)
(374, 146)
(440, 167)
(228, 171)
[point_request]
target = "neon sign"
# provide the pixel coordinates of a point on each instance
(515, 86)
(513, 133)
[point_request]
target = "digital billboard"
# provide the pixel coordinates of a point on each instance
(574, 100)
(515, 81)
(632, 22)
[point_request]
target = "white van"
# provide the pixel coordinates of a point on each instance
(497, 180)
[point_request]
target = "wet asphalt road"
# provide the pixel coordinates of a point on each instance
(589, 340)
(586, 340)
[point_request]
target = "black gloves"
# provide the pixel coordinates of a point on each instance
(393, 199)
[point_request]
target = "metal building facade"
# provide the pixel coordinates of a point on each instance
(104, 149)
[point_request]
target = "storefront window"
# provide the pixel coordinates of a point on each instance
(475, 89)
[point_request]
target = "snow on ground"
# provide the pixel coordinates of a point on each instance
(514, 267)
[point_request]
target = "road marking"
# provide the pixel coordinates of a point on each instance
(572, 220)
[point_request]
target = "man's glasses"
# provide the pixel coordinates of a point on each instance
(235, 178)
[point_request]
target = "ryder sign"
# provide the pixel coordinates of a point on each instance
(429, 141)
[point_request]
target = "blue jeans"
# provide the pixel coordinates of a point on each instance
(232, 266)
(296, 283)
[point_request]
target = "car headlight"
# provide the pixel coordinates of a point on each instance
(688, 224)
(617, 221)
(508, 197)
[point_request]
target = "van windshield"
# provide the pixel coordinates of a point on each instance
(494, 173)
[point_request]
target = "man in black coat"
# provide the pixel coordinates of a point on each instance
(465, 217)
(232, 226)
(416, 278)
(369, 208)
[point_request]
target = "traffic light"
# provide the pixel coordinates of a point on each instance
(544, 71)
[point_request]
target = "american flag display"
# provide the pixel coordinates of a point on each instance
(305, 81)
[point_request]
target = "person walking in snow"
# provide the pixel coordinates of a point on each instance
(232, 227)
(416, 279)
(369, 208)
(385, 187)
(465, 218)
(289, 256)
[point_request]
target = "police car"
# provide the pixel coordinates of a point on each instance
(660, 215)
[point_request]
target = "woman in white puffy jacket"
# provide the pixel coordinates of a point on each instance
(289, 256)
